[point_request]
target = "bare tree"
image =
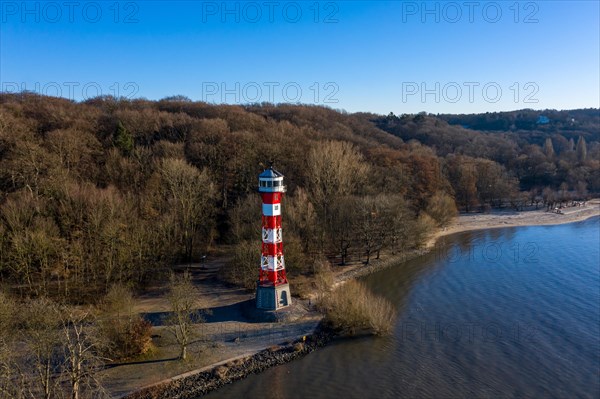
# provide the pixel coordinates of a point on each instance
(323, 278)
(342, 226)
(245, 219)
(81, 348)
(243, 267)
(191, 194)
(184, 299)
(334, 169)
(11, 380)
(300, 218)
(41, 319)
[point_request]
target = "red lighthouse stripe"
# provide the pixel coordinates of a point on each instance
(271, 198)
(276, 277)
(272, 249)
(271, 222)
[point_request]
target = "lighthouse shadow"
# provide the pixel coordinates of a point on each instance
(240, 311)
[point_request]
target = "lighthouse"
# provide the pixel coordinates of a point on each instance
(272, 290)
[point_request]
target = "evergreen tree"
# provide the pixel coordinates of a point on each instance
(123, 139)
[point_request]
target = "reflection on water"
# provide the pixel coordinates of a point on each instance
(496, 313)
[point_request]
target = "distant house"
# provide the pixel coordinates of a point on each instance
(543, 120)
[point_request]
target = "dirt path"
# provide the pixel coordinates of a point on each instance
(230, 331)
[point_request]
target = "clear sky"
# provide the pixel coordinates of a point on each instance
(400, 56)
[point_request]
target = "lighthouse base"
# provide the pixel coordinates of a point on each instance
(273, 297)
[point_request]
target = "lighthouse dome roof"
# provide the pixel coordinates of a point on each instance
(270, 173)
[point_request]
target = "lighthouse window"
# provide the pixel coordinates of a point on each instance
(276, 183)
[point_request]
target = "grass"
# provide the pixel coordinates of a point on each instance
(351, 308)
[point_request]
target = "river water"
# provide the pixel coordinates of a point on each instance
(492, 313)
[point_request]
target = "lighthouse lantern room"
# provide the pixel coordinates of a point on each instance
(273, 290)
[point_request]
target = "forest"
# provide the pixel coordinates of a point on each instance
(114, 191)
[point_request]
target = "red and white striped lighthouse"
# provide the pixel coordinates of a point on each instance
(273, 290)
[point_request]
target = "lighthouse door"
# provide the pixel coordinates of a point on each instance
(283, 300)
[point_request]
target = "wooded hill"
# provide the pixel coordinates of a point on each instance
(112, 190)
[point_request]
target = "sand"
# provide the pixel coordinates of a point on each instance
(509, 218)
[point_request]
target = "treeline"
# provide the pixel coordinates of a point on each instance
(534, 124)
(112, 190)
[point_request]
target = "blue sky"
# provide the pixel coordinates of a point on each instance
(401, 57)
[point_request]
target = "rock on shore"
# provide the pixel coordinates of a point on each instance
(193, 386)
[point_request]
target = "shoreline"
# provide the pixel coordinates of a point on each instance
(529, 218)
(202, 381)
(474, 222)
(197, 383)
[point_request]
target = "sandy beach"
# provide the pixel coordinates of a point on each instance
(511, 218)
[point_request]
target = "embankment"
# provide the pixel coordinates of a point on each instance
(197, 383)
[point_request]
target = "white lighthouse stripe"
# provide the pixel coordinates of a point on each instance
(264, 262)
(271, 209)
(272, 263)
(271, 236)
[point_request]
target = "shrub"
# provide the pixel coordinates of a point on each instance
(441, 208)
(129, 334)
(324, 278)
(138, 337)
(352, 307)
(422, 229)
(128, 337)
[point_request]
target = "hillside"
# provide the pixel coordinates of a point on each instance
(112, 190)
